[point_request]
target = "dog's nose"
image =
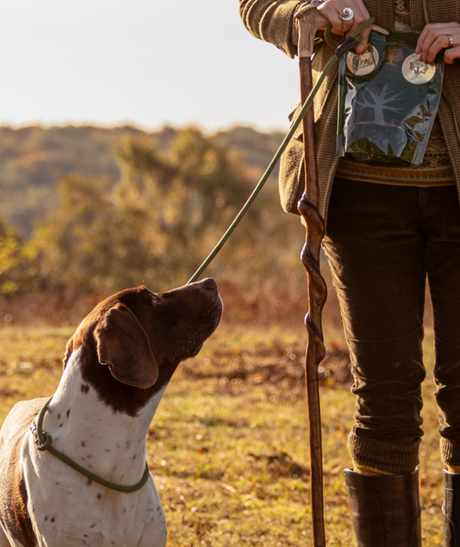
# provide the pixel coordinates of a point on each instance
(209, 284)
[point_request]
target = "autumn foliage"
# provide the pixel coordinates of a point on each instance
(154, 224)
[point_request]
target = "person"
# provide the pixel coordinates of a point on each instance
(388, 230)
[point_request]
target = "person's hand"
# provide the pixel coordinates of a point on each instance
(435, 37)
(332, 9)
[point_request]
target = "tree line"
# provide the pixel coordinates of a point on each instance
(154, 221)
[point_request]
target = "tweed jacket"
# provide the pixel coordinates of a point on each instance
(272, 20)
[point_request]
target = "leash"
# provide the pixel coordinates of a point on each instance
(340, 51)
(44, 441)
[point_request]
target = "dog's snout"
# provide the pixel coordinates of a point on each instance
(209, 284)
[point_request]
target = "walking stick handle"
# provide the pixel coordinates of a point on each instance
(309, 21)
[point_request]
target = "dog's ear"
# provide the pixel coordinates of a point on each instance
(123, 345)
(68, 352)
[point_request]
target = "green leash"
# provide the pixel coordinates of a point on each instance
(44, 442)
(341, 49)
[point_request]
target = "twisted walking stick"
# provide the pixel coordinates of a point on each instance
(309, 21)
(317, 291)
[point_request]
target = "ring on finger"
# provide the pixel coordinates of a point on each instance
(449, 37)
(348, 14)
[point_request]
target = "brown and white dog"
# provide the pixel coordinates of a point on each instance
(116, 368)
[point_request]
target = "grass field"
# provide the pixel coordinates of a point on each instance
(229, 444)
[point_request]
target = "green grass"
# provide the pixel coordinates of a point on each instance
(229, 444)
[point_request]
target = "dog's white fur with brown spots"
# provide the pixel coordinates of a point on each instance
(117, 367)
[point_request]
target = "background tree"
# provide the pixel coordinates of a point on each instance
(74, 248)
(158, 221)
(178, 202)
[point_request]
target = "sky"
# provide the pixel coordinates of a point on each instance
(146, 63)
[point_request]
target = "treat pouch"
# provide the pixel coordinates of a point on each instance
(388, 101)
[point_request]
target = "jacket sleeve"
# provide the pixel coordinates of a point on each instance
(271, 21)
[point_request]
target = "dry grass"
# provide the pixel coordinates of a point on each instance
(229, 444)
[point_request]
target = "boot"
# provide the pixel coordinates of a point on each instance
(451, 509)
(385, 509)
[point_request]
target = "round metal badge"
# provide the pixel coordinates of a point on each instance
(363, 64)
(417, 72)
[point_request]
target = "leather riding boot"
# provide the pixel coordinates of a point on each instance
(451, 509)
(385, 509)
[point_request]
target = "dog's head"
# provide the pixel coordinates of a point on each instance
(133, 341)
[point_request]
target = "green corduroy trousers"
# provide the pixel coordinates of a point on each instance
(383, 243)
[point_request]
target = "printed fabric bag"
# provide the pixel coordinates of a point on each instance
(388, 101)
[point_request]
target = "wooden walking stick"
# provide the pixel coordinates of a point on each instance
(309, 21)
(317, 291)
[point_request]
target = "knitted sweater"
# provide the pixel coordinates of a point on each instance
(272, 20)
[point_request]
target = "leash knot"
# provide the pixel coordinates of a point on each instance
(44, 446)
(41, 444)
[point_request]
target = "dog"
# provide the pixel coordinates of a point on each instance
(116, 368)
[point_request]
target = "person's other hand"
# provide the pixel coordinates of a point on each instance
(435, 37)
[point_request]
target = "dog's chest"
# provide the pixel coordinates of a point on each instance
(67, 508)
(99, 518)
(82, 426)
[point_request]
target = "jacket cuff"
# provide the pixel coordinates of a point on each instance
(272, 21)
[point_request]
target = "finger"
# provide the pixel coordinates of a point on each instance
(331, 13)
(363, 45)
(441, 42)
(425, 45)
(430, 34)
(444, 41)
(361, 15)
(333, 10)
(451, 54)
